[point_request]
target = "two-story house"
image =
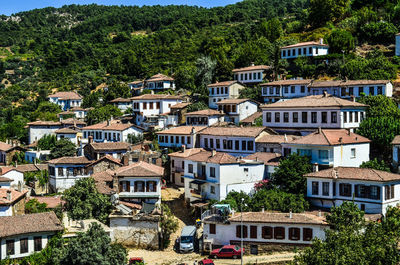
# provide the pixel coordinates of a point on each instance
(223, 90)
(147, 109)
(12, 202)
(115, 149)
(372, 190)
(212, 175)
(66, 100)
(271, 161)
(65, 171)
(177, 164)
(273, 143)
(159, 82)
(136, 87)
(180, 136)
(78, 112)
(332, 148)
(122, 103)
(205, 117)
(72, 134)
(303, 115)
(237, 110)
(233, 140)
(310, 48)
(251, 75)
(15, 176)
(284, 89)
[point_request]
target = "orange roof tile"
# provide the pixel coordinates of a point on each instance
(282, 218)
(140, 169)
(156, 97)
(205, 112)
(159, 77)
(214, 157)
(331, 137)
(182, 130)
(288, 82)
(65, 95)
(187, 152)
(355, 173)
(77, 160)
(251, 68)
(308, 43)
(224, 83)
(15, 196)
(270, 159)
(233, 131)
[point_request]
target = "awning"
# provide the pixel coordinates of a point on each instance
(199, 182)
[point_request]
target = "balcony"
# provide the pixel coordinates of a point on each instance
(200, 176)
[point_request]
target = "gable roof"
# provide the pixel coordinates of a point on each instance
(52, 202)
(140, 169)
(159, 77)
(331, 137)
(283, 218)
(29, 223)
(269, 159)
(65, 95)
(156, 97)
(233, 131)
(326, 83)
(67, 131)
(122, 100)
(109, 146)
(15, 196)
(252, 117)
(316, 101)
(251, 68)
(307, 43)
(4, 146)
(223, 83)
(288, 82)
(66, 160)
(205, 112)
(276, 139)
(355, 173)
(235, 101)
(182, 130)
(113, 125)
(106, 157)
(32, 167)
(180, 105)
(214, 157)
(101, 179)
(5, 170)
(186, 152)
(5, 180)
(364, 82)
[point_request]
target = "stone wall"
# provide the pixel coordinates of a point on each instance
(266, 248)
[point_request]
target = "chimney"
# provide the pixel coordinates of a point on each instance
(252, 64)
(348, 131)
(321, 41)
(319, 130)
(353, 98)
(325, 94)
(262, 209)
(125, 160)
(9, 196)
(183, 148)
(315, 167)
(319, 213)
(290, 214)
(340, 139)
(285, 137)
(213, 153)
(193, 130)
(108, 122)
(90, 139)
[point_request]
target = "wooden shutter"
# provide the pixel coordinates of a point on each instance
(136, 186)
(128, 186)
(212, 229)
(279, 233)
(307, 234)
(147, 186)
(120, 186)
(267, 232)
(294, 233)
(253, 231)
(238, 234)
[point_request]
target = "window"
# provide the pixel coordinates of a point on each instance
(345, 189)
(177, 139)
(283, 53)
(212, 172)
(351, 91)
(304, 51)
(344, 116)
(37, 242)
(288, 52)
(304, 117)
(151, 186)
(353, 153)
(61, 171)
(139, 186)
(144, 105)
(254, 76)
(360, 90)
(292, 89)
(323, 154)
(286, 117)
(217, 143)
(375, 192)
(316, 50)
(351, 116)
(277, 117)
(294, 233)
(333, 117)
(188, 140)
(361, 116)
(310, 50)
(389, 192)
(271, 90)
(212, 143)
(182, 139)
(158, 105)
(371, 90)
(313, 117)
(307, 234)
(190, 168)
(315, 188)
(295, 117)
(237, 144)
(259, 75)
(151, 105)
(212, 189)
(241, 230)
(267, 232)
(212, 229)
(23, 245)
(356, 116)
(244, 145)
(304, 152)
(253, 231)
(268, 117)
(302, 89)
(279, 233)
(206, 142)
(172, 139)
(246, 169)
(379, 90)
(172, 163)
(299, 51)
(286, 90)
(10, 247)
(226, 90)
(324, 117)
(250, 145)
(325, 188)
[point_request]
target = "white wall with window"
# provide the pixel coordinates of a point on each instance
(231, 145)
(23, 245)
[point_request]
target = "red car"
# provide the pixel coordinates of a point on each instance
(229, 251)
(206, 262)
(136, 260)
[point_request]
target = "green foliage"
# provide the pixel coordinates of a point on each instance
(323, 11)
(47, 142)
(272, 29)
(378, 33)
(239, 201)
(380, 106)
(289, 176)
(197, 106)
(46, 111)
(375, 164)
(168, 225)
(133, 139)
(340, 40)
(259, 122)
(19, 158)
(34, 206)
(116, 90)
(63, 147)
(346, 216)
(253, 93)
(41, 176)
(83, 201)
(101, 114)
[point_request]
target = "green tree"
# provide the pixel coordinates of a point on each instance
(116, 90)
(168, 225)
(34, 206)
(197, 106)
(240, 201)
(375, 164)
(340, 40)
(101, 114)
(63, 147)
(253, 93)
(289, 176)
(204, 74)
(47, 142)
(133, 139)
(323, 11)
(83, 201)
(380, 106)
(46, 111)
(272, 29)
(346, 216)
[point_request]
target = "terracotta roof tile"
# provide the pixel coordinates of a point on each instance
(283, 218)
(331, 137)
(159, 77)
(32, 167)
(106, 157)
(131, 205)
(5, 170)
(187, 152)
(216, 158)
(156, 97)
(4, 179)
(355, 173)
(396, 140)
(101, 179)
(252, 117)
(4, 146)
(52, 202)
(364, 82)
(224, 83)
(235, 101)
(73, 121)
(205, 112)
(67, 131)
(118, 100)
(44, 123)
(140, 169)
(180, 105)
(326, 83)
(269, 159)
(65, 95)
(233, 131)
(113, 125)
(15, 196)
(110, 146)
(182, 130)
(77, 160)
(307, 43)
(251, 68)
(288, 82)
(29, 223)
(277, 139)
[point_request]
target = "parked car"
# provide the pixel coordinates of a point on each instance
(229, 251)
(206, 262)
(136, 260)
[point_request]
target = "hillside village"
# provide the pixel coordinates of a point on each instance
(291, 156)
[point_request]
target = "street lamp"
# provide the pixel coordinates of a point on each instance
(241, 230)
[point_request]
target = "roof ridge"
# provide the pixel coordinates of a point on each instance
(376, 173)
(326, 138)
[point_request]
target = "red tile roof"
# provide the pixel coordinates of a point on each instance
(4, 147)
(187, 152)
(15, 196)
(205, 112)
(252, 117)
(122, 100)
(269, 159)
(4, 179)
(224, 83)
(214, 157)
(67, 131)
(279, 218)
(235, 101)
(106, 157)
(355, 173)
(331, 137)
(5, 170)
(156, 97)
(180, 105)
(65, 95)
(110, 146)
(288, 82)
(308, 43)
(52, 202)
(140, 169)
(396, 140)
(159, 77)
(251, 68)
(113, 125)
(66, 160)
(101, 179)
(182, 130)
(233, 131)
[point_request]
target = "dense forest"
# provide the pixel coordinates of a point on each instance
(80, 47)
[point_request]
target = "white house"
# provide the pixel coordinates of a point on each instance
(273, 143)
(122, 103)
(32, 156)
(237, 110)
(114, 149)
(310, 48)
(72, 134)
(159, 82)
(223, 90)
(271, 161)
(205, 117)
(303, 115)
(397, 51)
(212, 175)
(65, 171)
(332, 148)
(177, 164)
(396, 152)
(78, 112)
(12, 202)
(66, 100)
(285, 89)
(253, 74)
(136, 86)
(111, 131)
(147, 108)
(372, 190)
(264, 231)
(15, 175)
(178, 136)
(233, 140)
(23, 235)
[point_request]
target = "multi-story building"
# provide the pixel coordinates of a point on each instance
(177, 164)
(251, 75)
(285, 89)
(72, 134)
(66, 100)
(310, 48)
(159, 82)
(205, 117)
(12, 202)
(273, 143)
(372, 190)
(332, 148)
(114, 149)
(303, 115)
(236, 110)
(122, 103)
(223, 90)
(180, 136)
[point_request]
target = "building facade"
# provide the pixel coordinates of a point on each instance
(308, 49)
(177, 137)
(66, 100)
(236, 110)
(111, 131)
(251, 75)
(223, 90)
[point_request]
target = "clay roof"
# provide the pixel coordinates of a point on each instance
(109, 146)
(396, 140)
(15, 196)
(331, 137)
(101, 179)
(355, 173)
(252, 117)
(44, 123)
(217, 158)
(67, 130)
(224, 83)
(233, 131)
(5, 170)
(205, 112)
(317, 101)
(155, 97)
(251, 68)
(180, 105)
(326, 83)
(135, 82)
(52, 202)
(159, 77)
(32, 167)
(300, 44)
(269, 159)
(235, 101)
(182, 130)
(77, 160)
(29, 223)
(106, 157)
(140, 169)
(73, 121)
(187, 152)
(283, 218)
(117, 100)
(288, 82)
(276, 139)
(131, 205)
(364, 82)
(65, 95)
(79, 109)
(4, 146)
(4, 179)
(113, 125)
